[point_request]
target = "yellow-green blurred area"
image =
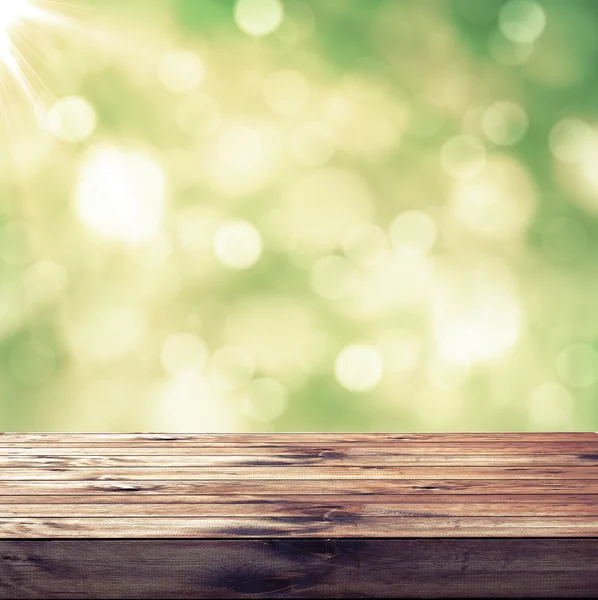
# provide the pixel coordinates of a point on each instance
(299, 215)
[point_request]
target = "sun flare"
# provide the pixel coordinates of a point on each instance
(15, 18)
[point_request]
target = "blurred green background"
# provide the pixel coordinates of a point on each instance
(307, 215)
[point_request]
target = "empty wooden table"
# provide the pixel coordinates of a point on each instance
(298, 515)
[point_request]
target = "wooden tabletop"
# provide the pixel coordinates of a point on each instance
(298, 485)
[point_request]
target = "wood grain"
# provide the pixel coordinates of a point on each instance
(341, 448)
(330, 459)
(424, 487)
(397, 500)
(298, 515)
(300, 506)
(213, 472)
(298, 568)
(295, 438)
(331, 526)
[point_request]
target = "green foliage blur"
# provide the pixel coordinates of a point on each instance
(298, 215)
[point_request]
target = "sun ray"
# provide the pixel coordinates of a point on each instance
(16, 16)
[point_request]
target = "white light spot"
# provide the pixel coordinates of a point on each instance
(120, 193)
(358, 367)
(577, 365)
(258, 17)
(189, 403)
(238, 244)
(71, 119)
(483, 332)
(522, 21)
(181, 71)
(183, 353)
(10, 13)
(476, 317)
(463, 157)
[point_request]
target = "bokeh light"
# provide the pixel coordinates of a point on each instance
(358, 367)
(522, 21)
(287, 215)
(181, 71)
(238, 244)
(120, 193)
(504, 123)
(258, 17)
(71, 119)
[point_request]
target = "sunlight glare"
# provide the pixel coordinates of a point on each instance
(12, 15)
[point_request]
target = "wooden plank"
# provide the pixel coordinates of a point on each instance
(340, 459)
(298, 515)
(300, 473)
(295, 438)
(332, 526)
(331, 500)
(298, 568)
(585, 449)
(299, 507)
(305, 486)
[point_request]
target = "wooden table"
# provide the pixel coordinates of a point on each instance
(298, 515)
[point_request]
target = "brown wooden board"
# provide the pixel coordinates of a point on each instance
(294, 438)
(292, 568)
(330, 459)
(298, 515)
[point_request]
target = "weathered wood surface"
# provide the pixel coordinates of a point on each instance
(293, 438)
(315, 473)
(294, 485)
(280, 568)
(329, 459)
(298, 515)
